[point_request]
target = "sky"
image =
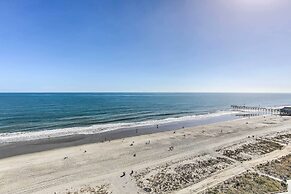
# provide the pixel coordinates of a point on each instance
(145, 46)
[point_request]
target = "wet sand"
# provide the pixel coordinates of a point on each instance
(25, 147)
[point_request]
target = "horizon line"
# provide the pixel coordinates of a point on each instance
(209, 92)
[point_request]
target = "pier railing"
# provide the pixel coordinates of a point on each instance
(275, 111)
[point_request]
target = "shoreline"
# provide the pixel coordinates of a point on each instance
(38, 145)
(18, 136)
(221, 150)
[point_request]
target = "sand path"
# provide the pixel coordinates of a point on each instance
(234, 171)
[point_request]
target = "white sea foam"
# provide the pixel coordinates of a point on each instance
(94, 129)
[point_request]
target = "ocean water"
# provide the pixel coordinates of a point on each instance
(44, 114)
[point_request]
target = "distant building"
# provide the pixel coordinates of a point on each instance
(286, 111)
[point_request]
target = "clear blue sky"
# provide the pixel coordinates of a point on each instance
(145, 45)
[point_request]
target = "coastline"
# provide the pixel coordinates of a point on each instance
(36, 145)
(30, 135)
(99, 166)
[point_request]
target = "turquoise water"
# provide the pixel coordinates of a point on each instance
(26, 112)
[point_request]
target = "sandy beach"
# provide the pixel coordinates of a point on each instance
(190, 160)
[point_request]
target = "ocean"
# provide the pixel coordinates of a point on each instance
(40, 115)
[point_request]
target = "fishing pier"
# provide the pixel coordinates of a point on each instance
(286, 111)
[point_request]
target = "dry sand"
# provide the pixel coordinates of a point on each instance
(185, 161)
